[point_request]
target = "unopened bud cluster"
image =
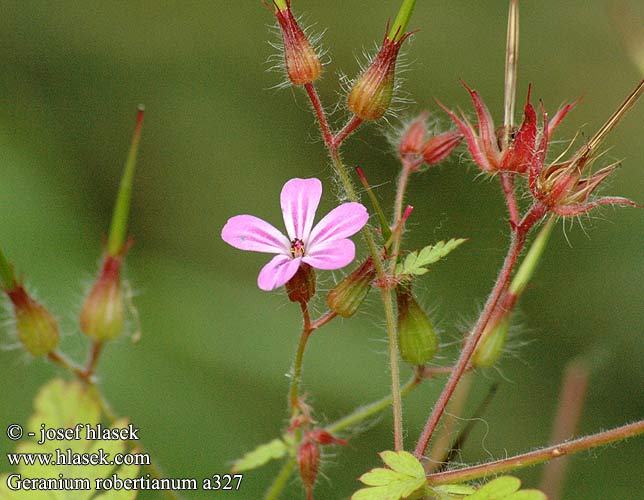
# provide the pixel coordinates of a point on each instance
(416, 146)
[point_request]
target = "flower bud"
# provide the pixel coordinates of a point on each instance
(308, 460)
(324, 437)
(413, 138)
(36, 327)
(302, 62)
(103, 314)
(440, 146)
(301, 287)
(417, 340)
(492, 342)
(372, 92)
(346, 297)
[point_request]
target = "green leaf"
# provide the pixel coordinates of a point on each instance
(527, 495)
(261, 455)
(416, 262)
(453, 490)
(404, 477)
(64, 404)
(497, 489)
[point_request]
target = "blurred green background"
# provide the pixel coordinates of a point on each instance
(207, 381)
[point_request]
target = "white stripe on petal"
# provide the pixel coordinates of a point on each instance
(341, 222)
(299, 200)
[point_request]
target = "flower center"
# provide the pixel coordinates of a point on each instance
(297, 248)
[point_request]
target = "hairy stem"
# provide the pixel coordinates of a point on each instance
(517, 241)
(320, 114)
(507, 182)
(299, 359)
(401, 189)
(279, 483)
(346, 131)
(385, 290)
(538, 456)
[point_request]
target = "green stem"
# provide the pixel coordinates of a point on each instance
(387, 300)
(280, 481)
(6, 273)
(299, 359)
(372, 409)
(118, 228)
(401, 189)
(402, 20)
(537, 456)
(354, 418)
(385, 291)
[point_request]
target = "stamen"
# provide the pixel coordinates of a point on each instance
(297, 248)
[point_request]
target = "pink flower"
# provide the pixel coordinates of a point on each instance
(324, 246)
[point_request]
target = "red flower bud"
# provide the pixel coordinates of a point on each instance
(439, 147)
(302, 62)
(413, 138)
(103, 314)
(308, 460)
(36, 327)
(323, 437)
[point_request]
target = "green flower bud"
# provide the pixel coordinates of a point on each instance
(346, 297)
(36, 327)
(417, 340)
(492, 341)
(102, 317)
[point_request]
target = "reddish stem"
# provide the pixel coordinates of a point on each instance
(319, 112)
(346, 131)
(516, 245)
(92, 361)
(538, 456)
(322, 320)
(507, 182)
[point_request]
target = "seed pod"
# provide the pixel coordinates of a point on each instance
(417, 340)
(346, 297)
(492, 341)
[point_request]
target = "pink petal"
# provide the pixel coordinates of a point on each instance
(299, 200)
(277, 272)
(341, 222)
(331, 254)
(247, 232)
